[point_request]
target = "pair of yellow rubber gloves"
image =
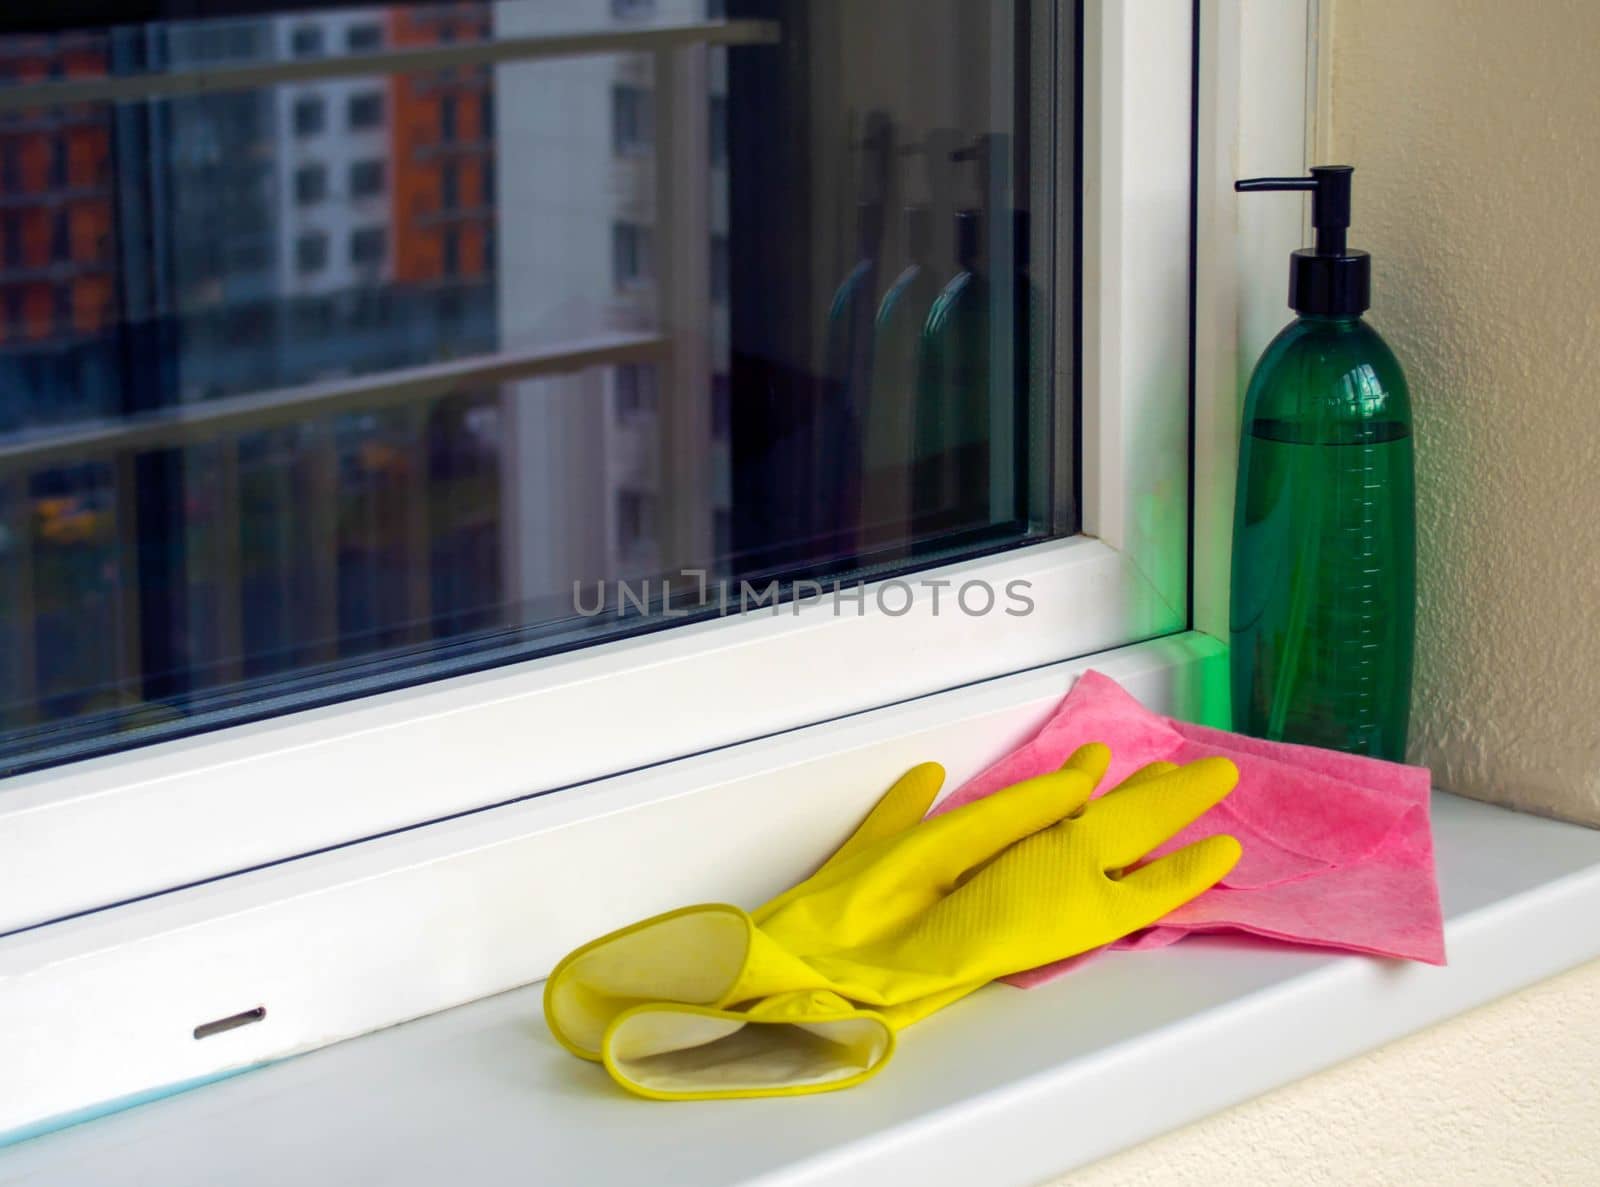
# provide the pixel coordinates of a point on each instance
(807, 993)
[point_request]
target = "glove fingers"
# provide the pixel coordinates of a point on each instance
(1136, 818)
(1151, 891)
(950, 845)
(1145, 773)
(1091, 759)
(902, 806)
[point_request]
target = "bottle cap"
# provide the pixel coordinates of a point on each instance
(1328, 279)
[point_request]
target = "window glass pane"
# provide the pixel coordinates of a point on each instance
(321, 380)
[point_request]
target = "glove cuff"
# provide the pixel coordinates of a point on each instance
(789, 1045)
(710, 955)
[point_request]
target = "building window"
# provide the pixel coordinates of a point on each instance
(366, 179)
(450, 251)
(632, 10)
(306, 41)
(61, 236)
(630, 254)
(363, 39)
(447, 119)
(13, 248)
(64, 306)
(449, 186)
(632, 119)
(365, 111)
(16, 315)
(311, 252)
(636, 515)
(636, 391)
(310, 116)
(310, 184)
(719, 269)
(367, 246)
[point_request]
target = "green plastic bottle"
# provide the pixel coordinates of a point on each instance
(1324, 542)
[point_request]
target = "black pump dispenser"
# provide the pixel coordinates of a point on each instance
(1329, 279)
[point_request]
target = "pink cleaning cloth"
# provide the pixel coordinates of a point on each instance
(1338, 851)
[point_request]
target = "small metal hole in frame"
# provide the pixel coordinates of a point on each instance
(232, 1022)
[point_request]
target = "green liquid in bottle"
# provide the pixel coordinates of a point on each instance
(1324, 571)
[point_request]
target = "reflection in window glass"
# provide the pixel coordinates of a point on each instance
(289, 410)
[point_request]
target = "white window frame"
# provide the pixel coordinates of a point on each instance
(102, 1007)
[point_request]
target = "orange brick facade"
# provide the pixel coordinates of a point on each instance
(56, 217)
(426, 148)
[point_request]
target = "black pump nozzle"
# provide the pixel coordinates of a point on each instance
(1330, 201)
(1330, 278)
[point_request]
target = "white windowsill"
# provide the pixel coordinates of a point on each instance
(1009, 1087)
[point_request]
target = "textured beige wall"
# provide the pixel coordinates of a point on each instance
(1504, 1094)
(1474, 127)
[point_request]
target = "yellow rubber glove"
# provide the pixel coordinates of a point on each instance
(663, 958)
(902, 921)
